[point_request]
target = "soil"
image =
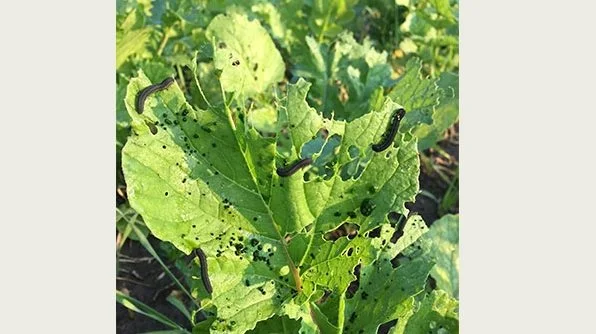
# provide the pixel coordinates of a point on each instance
(430, 180)
(146, 281)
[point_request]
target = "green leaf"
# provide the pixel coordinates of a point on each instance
(178, 304)
(444, 250)
(276, 325)
(321, 321)
(445, 115)
(443, 8)
(380, 282)
(205, 179)
(286, 20)
(418, 96)
(245, 54)
(125, 217)
(130, 38)
(327, 17)
(344, 77)
(437, 314)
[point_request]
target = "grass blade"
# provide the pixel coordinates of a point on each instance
(179, 305)
(139, 307)
(143, 240)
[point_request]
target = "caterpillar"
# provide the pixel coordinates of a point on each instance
(391, 131)
(144, 93)
(287, 171)
(204, 272)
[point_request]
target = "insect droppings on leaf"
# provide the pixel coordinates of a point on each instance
(352, 317)
(152, 127)
(367, 206)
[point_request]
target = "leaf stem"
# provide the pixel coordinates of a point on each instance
(341, 312)
(164, 40)
(325, 23)
(181, 75)
(196, 77)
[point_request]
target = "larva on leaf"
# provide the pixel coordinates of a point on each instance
(145, 92)
(389, 135)
(287, 171)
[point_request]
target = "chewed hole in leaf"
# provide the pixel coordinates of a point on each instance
(374, 233)
(354, 168)
(399, 228)
(386, 327)
(326, 295)
(346, 229)
(399, 259)
(349, 251)
(323, 166)
(314, 145)
(353, 152)
(431, 282)
(395, 217)
(355, 284)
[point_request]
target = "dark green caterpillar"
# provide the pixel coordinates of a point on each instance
(389, 135)
(145, 92)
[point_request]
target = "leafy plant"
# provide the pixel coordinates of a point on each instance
(330, 248)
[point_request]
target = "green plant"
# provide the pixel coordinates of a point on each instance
(318, 251)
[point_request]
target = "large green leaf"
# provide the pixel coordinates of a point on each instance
(245, 54)
(203, 179)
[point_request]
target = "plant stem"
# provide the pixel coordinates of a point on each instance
(163, 42)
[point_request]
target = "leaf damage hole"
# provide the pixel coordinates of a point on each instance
(355, 284)
(398, 260)
(346, 229)
(431, 282)
(350, 251)
(386, 327)
(399, 226)
(328, 149)
(374, 233)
